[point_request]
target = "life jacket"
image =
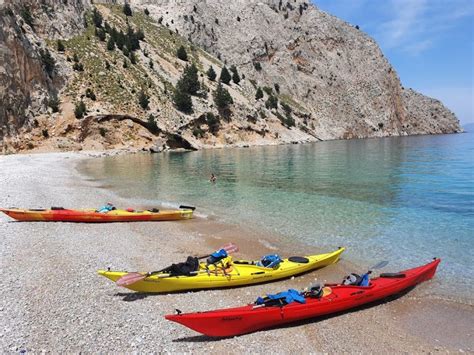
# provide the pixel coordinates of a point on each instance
(222, 266)
(282, 298)
(357, 280)
(270, 261)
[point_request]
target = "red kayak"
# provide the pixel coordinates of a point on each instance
(335, 298)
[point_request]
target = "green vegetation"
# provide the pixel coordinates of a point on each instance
(189, 81)
(211, 74)
(60, 46)
(182, 100)
(213, 122)
(259, 94)
(127, 10)
(100, 33)
(152, 126)
(257, 66)
(225, 76)
(96, 18)
(268, 90)
(54, 102)
(80, 109)
(110, 44)
(143, 100)
(48, 61)
(146, 12)
(272, 102)
(222, 98)
(26, 15)
(277, 87)
(235, 74)
(90, 94)
(181, 53)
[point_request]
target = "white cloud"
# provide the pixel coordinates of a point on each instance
(415, 25)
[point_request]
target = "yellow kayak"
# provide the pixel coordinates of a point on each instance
(236, 273)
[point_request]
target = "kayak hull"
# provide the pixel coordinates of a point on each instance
(91, 216)
(247, 319)
(241, 275)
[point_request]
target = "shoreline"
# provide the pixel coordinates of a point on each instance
(242, 145)
(67, 307)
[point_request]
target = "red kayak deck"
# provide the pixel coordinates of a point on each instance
(247, 319)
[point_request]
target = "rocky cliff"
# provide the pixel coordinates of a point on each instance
(315, 77)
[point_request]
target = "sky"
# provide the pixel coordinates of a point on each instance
(428, 42)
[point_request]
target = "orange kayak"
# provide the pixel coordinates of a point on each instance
(59, 214)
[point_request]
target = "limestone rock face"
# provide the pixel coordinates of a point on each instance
(25, 86)
(327, 79)
(333, 70)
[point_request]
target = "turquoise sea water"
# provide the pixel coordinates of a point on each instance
(403, 199)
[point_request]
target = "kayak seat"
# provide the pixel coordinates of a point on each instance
(392, 275)
(154, 210)
(298, 259)
(57, 208)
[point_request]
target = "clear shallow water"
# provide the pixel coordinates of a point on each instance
(401, 199)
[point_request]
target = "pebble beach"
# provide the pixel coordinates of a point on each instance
(52, 299)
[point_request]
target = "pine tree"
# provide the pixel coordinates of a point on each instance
(259, 94)
(111, 44)
(235, 74)
(211, 74)
(97, 18)
(147, 12)
(189, 81)
(182, 100)
(225, 76)
(127, 10)
(222, 98)
(181, 53)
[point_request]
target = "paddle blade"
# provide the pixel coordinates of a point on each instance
(230, 248)
(379, 265)
(130, 279)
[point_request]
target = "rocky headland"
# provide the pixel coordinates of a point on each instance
(77, 75)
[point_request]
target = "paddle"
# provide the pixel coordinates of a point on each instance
(133, 277)
(379, 265)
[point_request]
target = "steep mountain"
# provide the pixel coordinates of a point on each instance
(82, 76)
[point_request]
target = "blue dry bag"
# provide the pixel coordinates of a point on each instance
(216, 256)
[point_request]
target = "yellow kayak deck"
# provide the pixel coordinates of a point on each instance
(242, 273)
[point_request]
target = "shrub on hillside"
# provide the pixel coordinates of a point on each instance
(181, 53)
(80, 109)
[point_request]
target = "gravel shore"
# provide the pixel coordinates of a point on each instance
(52, 299)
